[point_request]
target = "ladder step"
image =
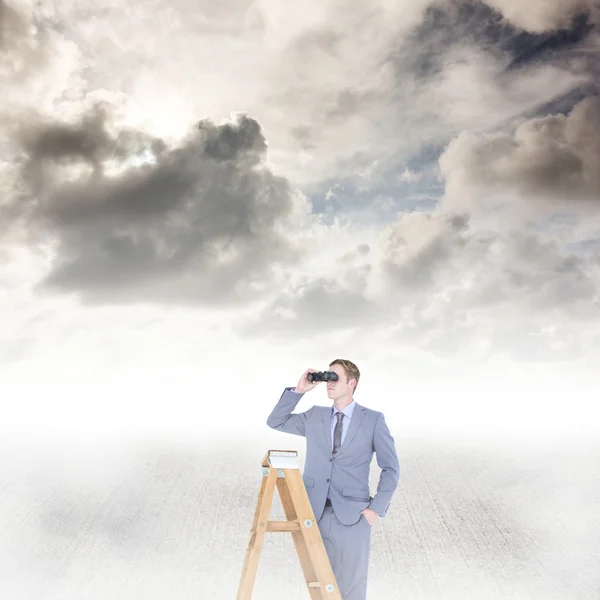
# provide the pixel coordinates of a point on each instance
(283, 526)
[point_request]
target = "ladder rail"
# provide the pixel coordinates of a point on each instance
(257, 534)
(281, 471)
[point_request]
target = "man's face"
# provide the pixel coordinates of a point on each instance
(336, 389)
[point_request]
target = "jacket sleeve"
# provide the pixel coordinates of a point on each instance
(281, 417)
(387, 460)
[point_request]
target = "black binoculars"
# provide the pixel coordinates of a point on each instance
(322, 376)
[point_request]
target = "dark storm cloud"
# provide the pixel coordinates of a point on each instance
(49, 145)
(447, 25)
(233, 142)
(193, 223)
(527, 47)
(556, 157)
(458, 23)
(457, 33)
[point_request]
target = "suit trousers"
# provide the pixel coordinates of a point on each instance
(348, 548)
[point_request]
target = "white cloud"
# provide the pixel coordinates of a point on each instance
(38, 65)
(410, 176)
(478, 93)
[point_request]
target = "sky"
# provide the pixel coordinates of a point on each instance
(200, 200)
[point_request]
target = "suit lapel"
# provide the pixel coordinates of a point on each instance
(327, 428)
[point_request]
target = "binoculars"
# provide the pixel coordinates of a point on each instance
(322, 376)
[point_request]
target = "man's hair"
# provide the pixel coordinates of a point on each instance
(350, 369)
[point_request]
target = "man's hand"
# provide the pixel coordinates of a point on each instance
(304, 385)
(370, 515)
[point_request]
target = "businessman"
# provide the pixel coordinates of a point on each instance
(340, 442)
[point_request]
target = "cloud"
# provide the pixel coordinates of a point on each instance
(419, 247)
(410, 176)
(544, 15)
(38, 65)
(439, 284)
(332, 102)
(459, 56)
(550, 162)
(485, 292)
(133, 218)
(131, 204)
(23, 46)
(462, 57)
(318, 307)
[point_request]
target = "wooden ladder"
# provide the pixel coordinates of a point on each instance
(280, 467)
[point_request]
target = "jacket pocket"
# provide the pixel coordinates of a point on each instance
(308, 481)
(359, 494)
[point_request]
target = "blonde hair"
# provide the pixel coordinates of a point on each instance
(350, 369)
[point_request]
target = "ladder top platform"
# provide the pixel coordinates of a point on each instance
(281, 459)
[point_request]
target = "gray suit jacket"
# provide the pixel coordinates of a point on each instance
(345, 476)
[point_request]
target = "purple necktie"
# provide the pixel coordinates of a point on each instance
(337, 432)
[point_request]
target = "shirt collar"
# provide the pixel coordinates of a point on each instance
(348, 411)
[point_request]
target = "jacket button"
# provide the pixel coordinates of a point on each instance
(328, 481)
(331, 460)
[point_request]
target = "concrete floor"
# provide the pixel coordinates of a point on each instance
(161, 520)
